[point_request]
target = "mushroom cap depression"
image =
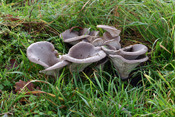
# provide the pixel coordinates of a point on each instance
(42, 53)
(84, 52)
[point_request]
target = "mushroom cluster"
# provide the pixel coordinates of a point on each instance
(88, 47)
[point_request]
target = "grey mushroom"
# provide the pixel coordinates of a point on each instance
(111, 38)
(93, 36)
(112, 30)
(44, 54)
(88, 48)
(125, 66)
(126, 59)
(83, 54)
(73, 37)
(97, 42)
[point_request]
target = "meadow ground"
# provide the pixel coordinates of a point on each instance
(150, 90)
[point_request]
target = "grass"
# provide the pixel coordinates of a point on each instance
(148, 22)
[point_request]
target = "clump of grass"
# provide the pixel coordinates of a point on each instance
(100, 93)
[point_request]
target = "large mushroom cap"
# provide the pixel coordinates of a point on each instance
(84, 52)
(42, 53)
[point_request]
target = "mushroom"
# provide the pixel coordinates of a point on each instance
(124, 66)
(88, 48)
(44, 54)
(83, 54)
(73, 37)
(93, 36)
(126, 59)
(97, 42)
(112, 30)
(110, 38)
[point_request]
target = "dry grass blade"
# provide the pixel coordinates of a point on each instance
(85, 5)
(164, 47)
(22, 89)
(38, 92)
(42, 92)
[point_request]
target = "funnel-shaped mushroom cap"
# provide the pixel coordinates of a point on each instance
(111, 41)
(42, 53)
(83, 54)
(73, 37)
(67, 34)
(111, 38)
(124, 66)
(112, 30)
(133, 51)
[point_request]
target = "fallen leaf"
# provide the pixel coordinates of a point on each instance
(10, 17)
(19, 85)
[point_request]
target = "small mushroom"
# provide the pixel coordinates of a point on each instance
(83, 54)
(97, 42)
(112, 30)
(111, 37)
(113, 43)
(73, 37)
(44, 54)
(93, 36)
